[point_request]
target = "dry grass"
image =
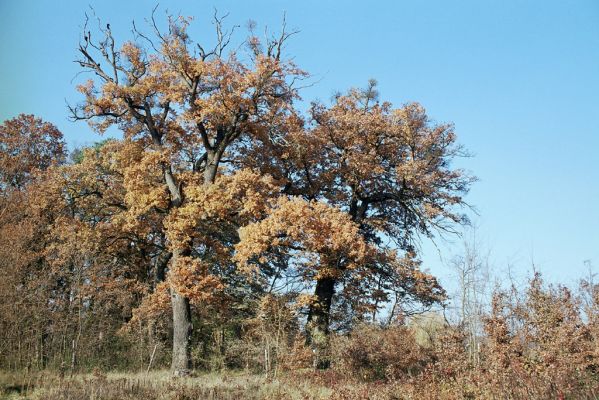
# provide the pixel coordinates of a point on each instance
(304, 385)
(155, 385)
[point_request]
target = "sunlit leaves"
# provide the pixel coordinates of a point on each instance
(27, 145)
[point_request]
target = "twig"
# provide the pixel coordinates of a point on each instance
(151, 358)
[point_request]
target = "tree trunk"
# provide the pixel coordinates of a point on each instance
(317, 328)
(182, 328)
(182, 324)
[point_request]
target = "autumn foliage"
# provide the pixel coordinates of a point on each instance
(225, 228)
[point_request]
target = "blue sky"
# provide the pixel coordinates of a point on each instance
(520, 80)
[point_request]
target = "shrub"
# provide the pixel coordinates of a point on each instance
(375, 353)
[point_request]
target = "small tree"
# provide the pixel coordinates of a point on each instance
(472, 271)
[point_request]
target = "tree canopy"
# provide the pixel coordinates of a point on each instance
(221, 192)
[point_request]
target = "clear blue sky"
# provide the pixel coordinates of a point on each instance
(520, 80)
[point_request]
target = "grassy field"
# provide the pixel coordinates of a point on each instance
(157, 385)
(299, 385)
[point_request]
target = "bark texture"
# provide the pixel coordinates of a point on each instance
(317, 329)
(182, 329)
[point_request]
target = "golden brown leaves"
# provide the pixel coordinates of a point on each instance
(393, 162)
(322, 237)
(233, 199)
(27, 145)
(191, 278)
(142, 180)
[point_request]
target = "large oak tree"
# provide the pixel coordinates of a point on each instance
(389, 170)
(182, 107)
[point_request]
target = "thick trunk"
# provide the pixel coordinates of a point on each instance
(212, 162)
(182, 325)
(182, 328)
(317, 328)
